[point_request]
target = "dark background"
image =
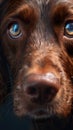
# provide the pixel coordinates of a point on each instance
(8, 120)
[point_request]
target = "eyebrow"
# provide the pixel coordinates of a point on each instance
(62, 11)
(65, 7)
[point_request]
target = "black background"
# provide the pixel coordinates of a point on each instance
(8, 120)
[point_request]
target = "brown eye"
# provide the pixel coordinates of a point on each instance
(15, 30)
(69, 28)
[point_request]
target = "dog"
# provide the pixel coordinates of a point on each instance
(37, 41)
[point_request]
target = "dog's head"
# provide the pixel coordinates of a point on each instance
(37, 39)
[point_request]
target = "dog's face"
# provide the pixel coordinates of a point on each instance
(37, 39)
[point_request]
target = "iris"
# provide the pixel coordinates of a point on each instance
(15, 30)
(69, 28)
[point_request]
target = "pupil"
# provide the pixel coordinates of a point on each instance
(69, 27)
(15, 28)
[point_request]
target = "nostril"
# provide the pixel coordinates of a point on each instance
(41, 92)
(46, 92)
(50, 90)
(32, 91)
(49, 93)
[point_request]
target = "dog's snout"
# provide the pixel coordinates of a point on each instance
(42, 88)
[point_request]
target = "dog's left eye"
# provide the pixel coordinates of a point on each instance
(15, 30)
(69, 28)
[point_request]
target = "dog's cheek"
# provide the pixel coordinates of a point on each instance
(69, 50)
(20, 102)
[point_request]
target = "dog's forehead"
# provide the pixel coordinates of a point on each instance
(39, 2)
(48, 2)
(43, 1)
(53, 1)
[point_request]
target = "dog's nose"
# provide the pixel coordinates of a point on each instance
(42, 88)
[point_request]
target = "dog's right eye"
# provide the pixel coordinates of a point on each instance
(14, 30)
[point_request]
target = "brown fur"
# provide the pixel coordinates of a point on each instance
(42, 48)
